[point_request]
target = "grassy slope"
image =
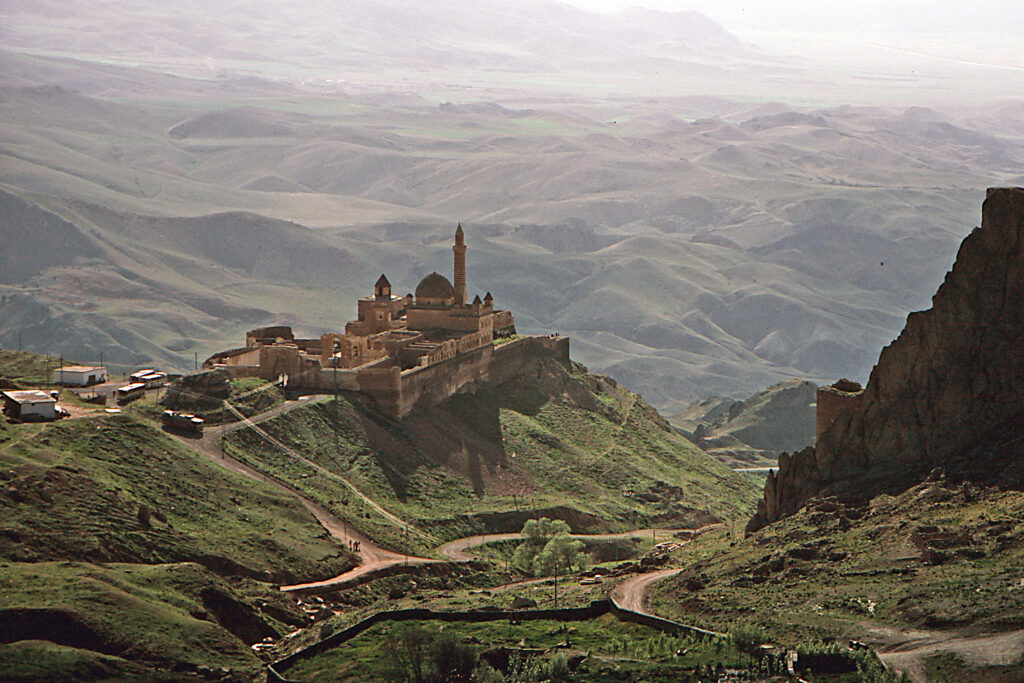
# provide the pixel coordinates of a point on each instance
(882, 578)
(249, 395)
(26, 368)
(619, 651)
(116, 621)
(565, 439)
(72, 490)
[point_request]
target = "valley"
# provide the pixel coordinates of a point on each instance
(727, 389)
(693, 246)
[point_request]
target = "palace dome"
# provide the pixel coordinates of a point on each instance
(435, 286)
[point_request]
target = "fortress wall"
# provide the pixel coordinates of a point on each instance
(328, 379)
(503, 322)
(280, 360)
(308, 345)
(239, 371)
(832, 403)
(434, 383)
(426, 318)
(488, 364)
(248, 357)
(384, 385)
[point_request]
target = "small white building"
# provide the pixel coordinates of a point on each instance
(30, 405)
(79, 375)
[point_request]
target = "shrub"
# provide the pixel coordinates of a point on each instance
(748, 638)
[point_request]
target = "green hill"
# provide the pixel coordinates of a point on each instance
(560, 442)
(131, 553)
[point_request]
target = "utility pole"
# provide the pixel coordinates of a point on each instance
(195, 360)
(61, 370)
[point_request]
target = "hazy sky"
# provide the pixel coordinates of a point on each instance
(862, 16)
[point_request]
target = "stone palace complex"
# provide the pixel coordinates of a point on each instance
(400, 350)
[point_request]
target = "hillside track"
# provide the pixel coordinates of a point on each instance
(394, 519)
(458, 549)
(631, 594)
(906, 650)
(373, 557)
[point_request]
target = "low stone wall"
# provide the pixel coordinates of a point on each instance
(658, 623)
(239, 371)
(595, 609)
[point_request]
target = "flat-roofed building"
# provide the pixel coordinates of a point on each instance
(79, 375)
(30, 404)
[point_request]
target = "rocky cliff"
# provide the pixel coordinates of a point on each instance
(949, 392)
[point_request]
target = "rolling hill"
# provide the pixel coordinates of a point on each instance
(688, 256)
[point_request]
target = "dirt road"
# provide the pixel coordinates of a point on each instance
(458, 549)
(373, 557)
(907, 649)
(631, 594)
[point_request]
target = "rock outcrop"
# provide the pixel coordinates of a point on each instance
(948, 392)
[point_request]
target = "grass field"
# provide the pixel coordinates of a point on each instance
(617, 651)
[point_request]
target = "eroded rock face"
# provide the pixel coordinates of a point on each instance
(949, 388)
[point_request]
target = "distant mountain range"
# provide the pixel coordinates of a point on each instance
(526, 35)
(170, 178)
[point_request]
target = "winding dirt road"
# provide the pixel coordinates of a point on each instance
(631, 594)
(373, 557)
(458, 549)
(907, 649)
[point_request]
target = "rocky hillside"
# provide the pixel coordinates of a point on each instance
(756, 430)
(947, 393)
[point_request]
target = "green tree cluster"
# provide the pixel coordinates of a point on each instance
(548, 548)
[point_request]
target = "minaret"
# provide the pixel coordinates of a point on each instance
(460, 267)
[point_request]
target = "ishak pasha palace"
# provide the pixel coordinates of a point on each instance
(401, 350)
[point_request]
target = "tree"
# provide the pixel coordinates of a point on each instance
(536, 535)
(560, 554)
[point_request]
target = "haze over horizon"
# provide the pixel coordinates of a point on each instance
(730, 214)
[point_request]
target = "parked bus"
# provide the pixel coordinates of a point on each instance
(183, 422)
(151, 378)
(130, 392)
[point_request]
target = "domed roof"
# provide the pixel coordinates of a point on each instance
(435, 286)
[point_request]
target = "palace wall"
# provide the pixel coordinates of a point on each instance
(486, 365)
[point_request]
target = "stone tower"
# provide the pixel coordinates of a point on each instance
(460, 267)
(382, 290)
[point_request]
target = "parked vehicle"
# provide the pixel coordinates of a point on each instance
(183, 422)
(130, 392)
